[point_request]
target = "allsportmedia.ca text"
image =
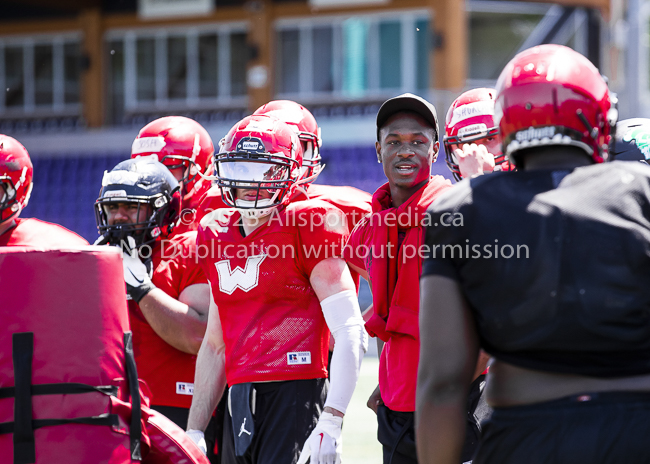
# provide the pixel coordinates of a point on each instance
(313, 220)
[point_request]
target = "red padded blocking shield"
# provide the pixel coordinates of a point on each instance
(74, 303)
(169, 443)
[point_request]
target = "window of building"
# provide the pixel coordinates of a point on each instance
(176, 69)
(40, 75)
(208, 66)
(494, 39)
(359, 57)
(499, 30)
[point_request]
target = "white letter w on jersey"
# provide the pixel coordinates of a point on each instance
(246, 278)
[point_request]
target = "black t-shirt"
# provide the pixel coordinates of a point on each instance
(554, 264)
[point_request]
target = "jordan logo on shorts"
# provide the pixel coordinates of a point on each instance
(242, 429)
(246, 279)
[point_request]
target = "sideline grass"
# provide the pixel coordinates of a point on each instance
(360, 445)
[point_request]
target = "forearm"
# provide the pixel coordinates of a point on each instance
(209, 385)
(449, 350)
(441, 410)
(440, 430)
(177, 323)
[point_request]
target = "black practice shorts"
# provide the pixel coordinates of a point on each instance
(285, 414)
(213, 433)
(596, 428)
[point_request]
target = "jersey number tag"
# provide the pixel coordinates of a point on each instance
(246, 279)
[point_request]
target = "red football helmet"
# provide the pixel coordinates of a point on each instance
(470, 119)
(307, 128)
(259, 153)
(179, 142)
(552, 95)
(16, 173)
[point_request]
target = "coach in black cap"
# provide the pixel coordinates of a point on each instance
(407, 145)
(408, 102)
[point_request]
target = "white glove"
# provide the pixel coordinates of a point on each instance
(136, 276)
(199, 439)
(325, 444)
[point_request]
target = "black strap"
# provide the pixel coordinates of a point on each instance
(134, 389)
(104, 419)
(23, 425)
(60, 389)
(23, 352)
(405, 428)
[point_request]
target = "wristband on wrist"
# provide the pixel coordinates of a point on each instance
(138, 293)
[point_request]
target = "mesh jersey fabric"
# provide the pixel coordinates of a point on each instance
(272, 322)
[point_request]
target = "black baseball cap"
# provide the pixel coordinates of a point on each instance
(407, 102)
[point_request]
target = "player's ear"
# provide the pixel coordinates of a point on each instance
(435, 150)
(378, 149)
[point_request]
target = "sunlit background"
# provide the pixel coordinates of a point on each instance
(79, 78)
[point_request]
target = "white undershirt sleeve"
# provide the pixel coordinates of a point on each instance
(344, 320)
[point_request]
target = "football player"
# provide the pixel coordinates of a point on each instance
(166, 288)
(277, 285)
(15, 188)
(385, 248)
(569, 382)
(353, 202)
(472, 144)
(185, 147)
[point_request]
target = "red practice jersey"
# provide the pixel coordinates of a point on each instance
(169, 373)
(273, 325)
(40, 234)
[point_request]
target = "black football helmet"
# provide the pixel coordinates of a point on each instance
(632, 140)
(148, 183)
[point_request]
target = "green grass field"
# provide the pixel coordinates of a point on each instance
(360, 445)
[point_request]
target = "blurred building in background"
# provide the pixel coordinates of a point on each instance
(79, 78)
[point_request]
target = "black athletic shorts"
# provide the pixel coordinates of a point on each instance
(213, 433)
(285, 414)
(594, 428)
